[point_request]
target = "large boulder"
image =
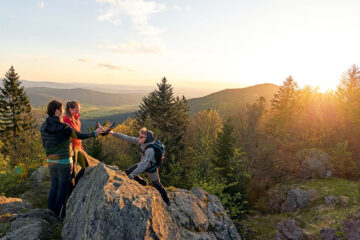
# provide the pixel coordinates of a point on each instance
(38, 176)
(314, 163)
(106, 204)
(289, 231)
(298, 198)
(36, 224)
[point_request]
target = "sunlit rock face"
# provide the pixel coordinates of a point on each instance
(106, 204)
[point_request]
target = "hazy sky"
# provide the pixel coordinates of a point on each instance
(202, 43)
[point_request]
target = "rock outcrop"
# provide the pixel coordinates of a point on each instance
(289, 231)
(106, 204)
(297, 198)
(38, 176)
(13, 205)
(36, 224)
(314, 163)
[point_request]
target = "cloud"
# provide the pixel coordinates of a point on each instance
(108, 66)
(177, 7)
(181, 9)
(136, 47)
(84, 60)
(42, 4)
(137, 10)
(114, 67)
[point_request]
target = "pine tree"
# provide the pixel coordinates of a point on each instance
(286, 96)
(348, 94)
(284, 106)
(15, 110)
(224, 148)
(168, 117)
(348, 89)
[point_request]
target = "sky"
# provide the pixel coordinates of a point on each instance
(208, 44)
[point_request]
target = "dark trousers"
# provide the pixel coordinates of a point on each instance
(60, 175)
(154, 178)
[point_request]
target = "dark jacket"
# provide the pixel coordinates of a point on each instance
(56, 137)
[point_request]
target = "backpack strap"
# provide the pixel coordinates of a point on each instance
(155, 166)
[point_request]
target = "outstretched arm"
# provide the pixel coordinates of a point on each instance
(75, 134)
(125, 137)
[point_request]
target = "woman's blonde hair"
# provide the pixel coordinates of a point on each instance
(143, 131)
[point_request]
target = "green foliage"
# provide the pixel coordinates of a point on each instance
(284, 107)
(115, 151)
(199, 140)
(249, 135)
(15, 112)
(94, 147)
(4, 161)
(342, 160)
(224, 148)
(12, 181)
(234, 204)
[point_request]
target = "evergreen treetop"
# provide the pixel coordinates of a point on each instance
(15, 108)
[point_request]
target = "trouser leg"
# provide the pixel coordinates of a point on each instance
(154, 177)
(63, 188)
(54, 176)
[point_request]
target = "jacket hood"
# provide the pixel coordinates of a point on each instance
(53, 124)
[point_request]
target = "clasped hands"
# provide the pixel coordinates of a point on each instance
(100, 129)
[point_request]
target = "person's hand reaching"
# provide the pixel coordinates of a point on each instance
(99, 130)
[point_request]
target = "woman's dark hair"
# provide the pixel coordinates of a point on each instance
(52, 106)
(72, 104)
(150, 136)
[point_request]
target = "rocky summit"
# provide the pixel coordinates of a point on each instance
(106, 204)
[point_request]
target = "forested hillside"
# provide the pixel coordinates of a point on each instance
(227, 100)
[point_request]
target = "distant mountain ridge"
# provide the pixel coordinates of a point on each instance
(118, 88)
(40, 96)
(227, 100)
